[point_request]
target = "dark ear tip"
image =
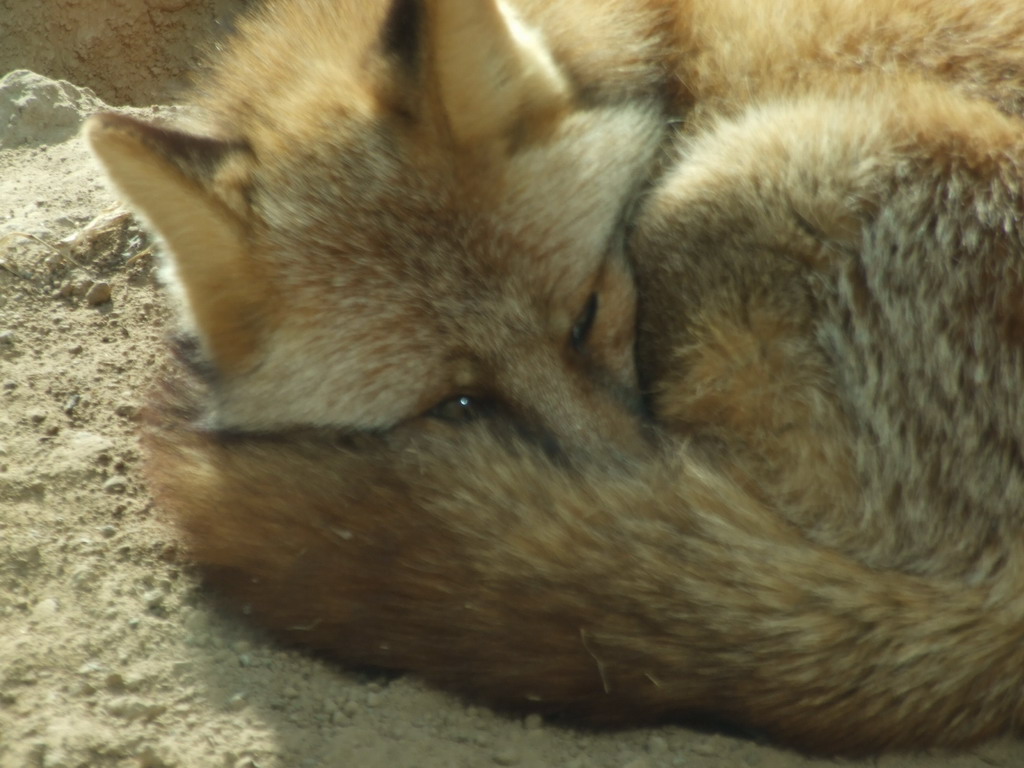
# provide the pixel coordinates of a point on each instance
(112, 121)
(107, 126)
(402, 32)
(198, 153)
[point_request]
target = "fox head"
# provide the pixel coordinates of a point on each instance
(402, 211)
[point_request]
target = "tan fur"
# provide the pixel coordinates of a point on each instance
(826, 541)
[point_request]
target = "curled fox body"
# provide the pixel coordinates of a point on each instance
(621, 360)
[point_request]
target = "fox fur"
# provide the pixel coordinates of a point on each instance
(623, 360)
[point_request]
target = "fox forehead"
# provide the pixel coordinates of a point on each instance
(379, 210)
(391, 272)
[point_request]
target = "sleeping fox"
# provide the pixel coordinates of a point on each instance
(625, 361)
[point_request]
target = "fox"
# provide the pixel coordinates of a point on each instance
(622, 361)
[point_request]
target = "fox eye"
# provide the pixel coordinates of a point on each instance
(458, 408)
(585, 321)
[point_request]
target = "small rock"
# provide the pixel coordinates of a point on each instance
(533, 722)
(153, 599)
(7, 338)
(351, 708)
(506, 757)
(149, 758)
(235, 703)
(115, 484)
(114, 682)
(75, 350)
(46, 608)
(126, 411)
(84, 579)
(134, 709)
(657, 745)
(99, 293)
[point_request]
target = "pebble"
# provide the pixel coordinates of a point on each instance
(657, 745)
(373, 700)
(351, 708)
(45, 608)
(236, 702)
(7, 338)
(84, 579)
(115, 484)
(506, 757)
(149, 758)
(134, 709)
(127, 411)
(533, 722)
(98, 293)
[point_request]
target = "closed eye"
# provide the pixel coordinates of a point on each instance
(584, 323)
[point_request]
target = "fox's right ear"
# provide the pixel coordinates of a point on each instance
(477, 62)
(186, 189)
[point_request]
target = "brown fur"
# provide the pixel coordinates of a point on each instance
(826, 541)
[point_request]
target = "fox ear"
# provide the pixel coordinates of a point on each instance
(175, 181)
(489, 71)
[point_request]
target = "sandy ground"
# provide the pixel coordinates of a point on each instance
(111, 652)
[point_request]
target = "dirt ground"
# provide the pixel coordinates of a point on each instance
(111, 652)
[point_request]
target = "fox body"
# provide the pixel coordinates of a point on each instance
(436, 429)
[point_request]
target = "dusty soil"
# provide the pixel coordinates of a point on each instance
(127, 51)
(111, 652)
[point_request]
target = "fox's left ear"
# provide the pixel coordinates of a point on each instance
(187, 189)
(489, 72)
